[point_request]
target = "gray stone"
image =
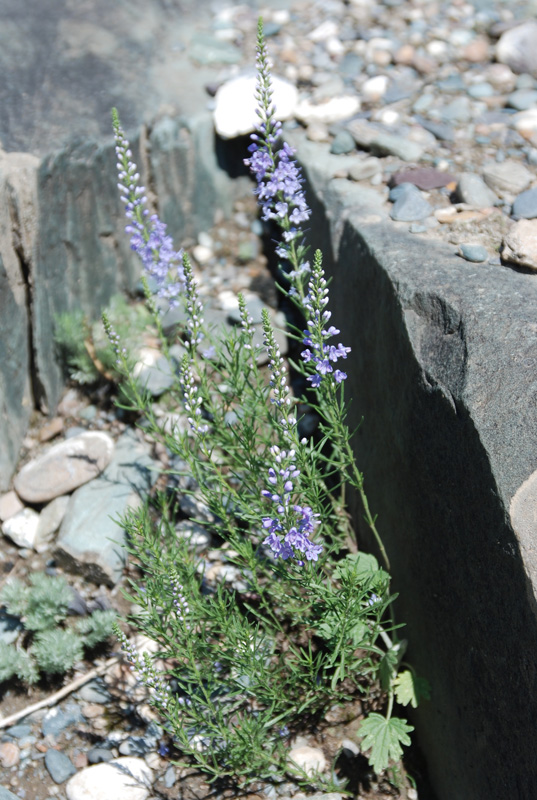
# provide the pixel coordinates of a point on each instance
(473, 190)
(480, 90)
(392, 145)
(137, 745)
(365, 168)
(156, 377)
(508, 176)
(409, 204)
(170, 777)
(440, 130)
(474, 252)
(59, 719)
(451, 384)
(196, 535)
(459, 110)
(94, 692)
(49, 523)
(517, 48)
(343, 143)
(64, 467)
(351, 65)
(5, 794)
(99, 755)
(59, 766)
(90, 540)
(525, 205)
(452, 84)
(20, 731)
(522, 99)
(10, 628)
(196, 508)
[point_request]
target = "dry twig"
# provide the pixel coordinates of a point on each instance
(52, 699)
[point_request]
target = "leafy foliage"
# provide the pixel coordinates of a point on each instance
(84, 349)
(42, 606)
(384, 737)
(96, 628)
(57, 650)
(409, 688)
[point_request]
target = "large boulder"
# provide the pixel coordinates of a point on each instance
(442, 370)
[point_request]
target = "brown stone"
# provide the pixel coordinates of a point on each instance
(424, 65)
(80, 760)
(520, 244)
(477, 51)
(51, 429)
(93, 710)
(425, 178)
(405, 55)
(9, 505)
(10, 754)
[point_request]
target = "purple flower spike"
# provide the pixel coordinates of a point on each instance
(318, 355)
(147, 233)
(279, 181)
(291, 526)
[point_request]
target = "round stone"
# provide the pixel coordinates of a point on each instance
(64, 467)
(525, 205)
(235, 104)
(473, 190)
(473, 252)
(409, 205)
(126, 778)
(309, 759)
(343, 143)
(59, 766)
(9, 754)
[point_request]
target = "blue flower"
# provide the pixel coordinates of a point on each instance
(279, 181)
(148, 236)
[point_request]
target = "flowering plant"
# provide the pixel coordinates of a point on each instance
(293, 622)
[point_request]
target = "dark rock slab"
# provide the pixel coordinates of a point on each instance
(90, 540)
(443, 372)
(17, 243)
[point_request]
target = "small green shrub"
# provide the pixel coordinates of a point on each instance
(47, 645)
(83, 348)
(57, 650)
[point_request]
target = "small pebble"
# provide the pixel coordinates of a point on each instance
(9, 754)
(59, 766)
(473, 252)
